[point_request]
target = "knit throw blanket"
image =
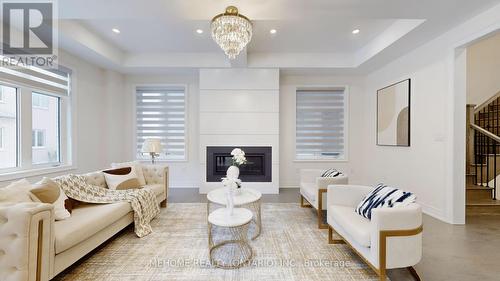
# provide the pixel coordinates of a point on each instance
(143, 201)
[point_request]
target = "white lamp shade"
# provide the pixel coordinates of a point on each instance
(152, 145)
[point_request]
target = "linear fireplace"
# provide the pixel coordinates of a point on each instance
(257, 169)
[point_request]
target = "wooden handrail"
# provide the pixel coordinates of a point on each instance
(485, 132)
(488, 101)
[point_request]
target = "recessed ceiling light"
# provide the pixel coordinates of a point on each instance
(355, 31)
(116, 30)
(199, 31)
(273, 31)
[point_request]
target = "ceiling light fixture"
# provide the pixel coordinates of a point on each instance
(355, 31)
(231, 31)
(273, 31)
(199, 31)
(116, 30)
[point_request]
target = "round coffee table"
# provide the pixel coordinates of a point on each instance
(245, 197)
(229, 248)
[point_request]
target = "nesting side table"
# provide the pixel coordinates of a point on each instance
(229, 248)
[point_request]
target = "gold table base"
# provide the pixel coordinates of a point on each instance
(230, 249)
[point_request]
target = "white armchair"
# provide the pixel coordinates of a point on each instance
(391, 239)
(312, 187)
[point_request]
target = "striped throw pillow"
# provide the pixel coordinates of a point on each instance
(384, 196)
(331, 173)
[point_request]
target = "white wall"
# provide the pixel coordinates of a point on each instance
(289, 167)
(433, 167)
(483, 68)
(183, 174)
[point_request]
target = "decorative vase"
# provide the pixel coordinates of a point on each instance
(233, 172)
(229, 201)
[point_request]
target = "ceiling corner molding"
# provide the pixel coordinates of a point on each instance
(76, 38)
(393, 33)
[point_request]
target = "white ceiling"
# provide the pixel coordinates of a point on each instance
(314, 33)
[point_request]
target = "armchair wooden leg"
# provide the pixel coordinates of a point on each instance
(321, 224)
(163, 204)
(302, 204)
(330, 237)
(413, 273)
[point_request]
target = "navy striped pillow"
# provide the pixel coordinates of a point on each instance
(384, 196)
(331, 173)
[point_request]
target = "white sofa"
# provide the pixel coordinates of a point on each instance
(391, 239)
(312, 187)
(38, 247)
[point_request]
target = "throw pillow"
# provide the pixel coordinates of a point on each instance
(46, 192)
(121, 178)
(17, 191)
(331, 173)
(60, 211)
(384, 196)
(136, 168)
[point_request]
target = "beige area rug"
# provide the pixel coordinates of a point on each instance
(290, 247)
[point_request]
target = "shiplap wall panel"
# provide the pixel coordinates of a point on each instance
(239, 123)
(240, 107)
(239, 101)
(239, 79)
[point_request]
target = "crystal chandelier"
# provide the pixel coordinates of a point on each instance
(232, 31)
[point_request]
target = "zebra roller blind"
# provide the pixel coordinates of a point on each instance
(161, 113)
(320, 123)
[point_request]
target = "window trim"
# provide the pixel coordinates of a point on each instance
(186, 120)
(346, 122)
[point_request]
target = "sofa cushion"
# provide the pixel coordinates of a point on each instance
(121, 178)
(357, 226)
(309, 190)
(85, 221)
(96, 178)
(158, 189)
(136, 167)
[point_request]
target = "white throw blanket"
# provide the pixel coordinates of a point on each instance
(143, 201)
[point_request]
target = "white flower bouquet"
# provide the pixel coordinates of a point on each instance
(238, 157)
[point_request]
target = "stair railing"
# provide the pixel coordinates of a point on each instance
(485, 147)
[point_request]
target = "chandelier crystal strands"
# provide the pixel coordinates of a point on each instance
(231, 31)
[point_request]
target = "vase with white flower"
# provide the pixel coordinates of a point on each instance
(232, 186)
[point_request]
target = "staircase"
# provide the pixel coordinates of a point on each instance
(483, 157)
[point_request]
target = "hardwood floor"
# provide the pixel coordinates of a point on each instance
(450, 252)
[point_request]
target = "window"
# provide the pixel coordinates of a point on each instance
(8, 127)
(46, 94)
(161, 113)
(45, 129)
(321, 124)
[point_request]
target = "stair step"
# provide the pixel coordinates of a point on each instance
(478, 187)
(483, 207)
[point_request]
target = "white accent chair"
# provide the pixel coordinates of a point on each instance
(312, 187)
(391, 239)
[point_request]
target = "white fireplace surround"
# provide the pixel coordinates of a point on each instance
(240, 107)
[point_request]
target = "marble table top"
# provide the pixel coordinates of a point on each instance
(244, 196)
(222, 217)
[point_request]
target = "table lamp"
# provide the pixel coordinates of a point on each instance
(153, 147)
